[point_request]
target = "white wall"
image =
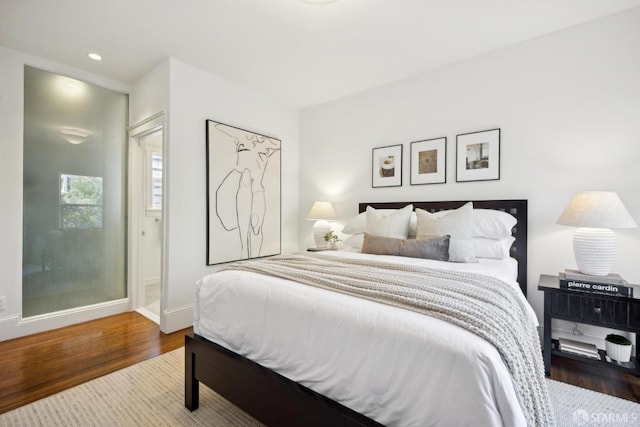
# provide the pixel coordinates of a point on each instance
(568, 105)
(150, 94)
(11, 111)
(196, 96)
(148, 108)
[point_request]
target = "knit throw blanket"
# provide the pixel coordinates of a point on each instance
(481, 304)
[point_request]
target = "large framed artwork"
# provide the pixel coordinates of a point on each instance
(243, 194)
(478, 156)
(429, 161)
(386, 168)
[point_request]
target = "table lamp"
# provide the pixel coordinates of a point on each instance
(321, 212)
(594, 243)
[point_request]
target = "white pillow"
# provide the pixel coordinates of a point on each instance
(493, 248)
(389, 224)
(354, 241)
(461, 250)
(492, 224)
(358, 224)
(457, 223)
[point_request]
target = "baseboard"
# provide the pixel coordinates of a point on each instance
(7, 324)
(16, 326)
(177, 318)
(149, 315)
(152, 281)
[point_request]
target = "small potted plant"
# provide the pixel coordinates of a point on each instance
(331, 239)
(618, 347)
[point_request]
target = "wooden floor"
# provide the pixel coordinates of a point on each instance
(608, 381)
(39, 365)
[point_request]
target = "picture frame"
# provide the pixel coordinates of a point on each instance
(386, 166)
(478, 156)
(429, 161)
(244, 175)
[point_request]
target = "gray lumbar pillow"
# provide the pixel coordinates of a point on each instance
(436, 248)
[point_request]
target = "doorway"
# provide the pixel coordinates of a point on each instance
(146, 213)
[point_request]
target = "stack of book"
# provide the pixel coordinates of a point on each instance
(611, 284)
(580, 348)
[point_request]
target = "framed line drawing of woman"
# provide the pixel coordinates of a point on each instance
(243, 194)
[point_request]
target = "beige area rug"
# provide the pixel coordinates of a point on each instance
(151, 393)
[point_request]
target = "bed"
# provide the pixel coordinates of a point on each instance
(254, 377)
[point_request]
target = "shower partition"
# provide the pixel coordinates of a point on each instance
(74, 205)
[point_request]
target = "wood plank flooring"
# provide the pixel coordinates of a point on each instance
(608, 381)
(39, 365)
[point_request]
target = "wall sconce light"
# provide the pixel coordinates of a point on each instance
(74, 135)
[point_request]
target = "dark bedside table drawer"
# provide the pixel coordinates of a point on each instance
(634, 317)
(593, 310)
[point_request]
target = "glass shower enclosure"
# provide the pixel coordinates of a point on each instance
(74, 203)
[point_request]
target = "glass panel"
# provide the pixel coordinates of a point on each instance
(74, 235)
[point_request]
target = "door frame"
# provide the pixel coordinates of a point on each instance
(137, 207)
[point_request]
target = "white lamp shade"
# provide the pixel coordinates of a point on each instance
(594, 244)
(322, 210)
(597, 209)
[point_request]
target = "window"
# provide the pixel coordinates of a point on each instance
(153, 179)
(156, 181)
(80, 201)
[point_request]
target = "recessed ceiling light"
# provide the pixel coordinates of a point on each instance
(95, 56)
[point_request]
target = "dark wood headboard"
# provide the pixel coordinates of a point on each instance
(517, 208)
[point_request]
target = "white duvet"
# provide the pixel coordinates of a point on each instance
(396, 366)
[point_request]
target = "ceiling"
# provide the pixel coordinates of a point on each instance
(297, 53)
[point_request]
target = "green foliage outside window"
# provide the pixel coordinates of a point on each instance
(81, 201)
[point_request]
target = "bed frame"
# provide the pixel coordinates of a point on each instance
(278, 401)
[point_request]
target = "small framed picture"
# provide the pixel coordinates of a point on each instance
(478, 156)
(387, 166)
(429, 161)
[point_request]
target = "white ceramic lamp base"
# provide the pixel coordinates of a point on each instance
(594, 250)
(320, 228)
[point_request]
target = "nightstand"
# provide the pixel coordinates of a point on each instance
(619, 313)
